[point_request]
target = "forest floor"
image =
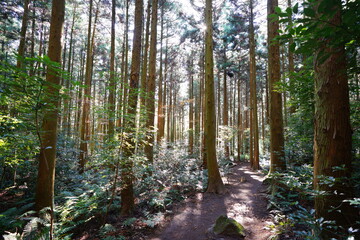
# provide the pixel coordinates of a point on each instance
(245, 202)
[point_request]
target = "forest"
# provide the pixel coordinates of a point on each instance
(169, 119)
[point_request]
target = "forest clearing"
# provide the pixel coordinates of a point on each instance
(184, 120)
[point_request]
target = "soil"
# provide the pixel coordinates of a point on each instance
(245, 201)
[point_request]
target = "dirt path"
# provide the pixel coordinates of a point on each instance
(244, 202)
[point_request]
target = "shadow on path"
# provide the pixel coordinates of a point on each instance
(244, 202)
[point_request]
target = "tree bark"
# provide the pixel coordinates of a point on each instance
(239, 123)
(215, 183)
(226, 111)
(46, 174)
(277, 156)
(66, 123)
(151, 81)
(291, 63)
(332, 134)
(85, 120)
(144, 69)
(23, 30)
(112, 84)
(191, 113)
(254, 128)
(127, 191)
(161, 116)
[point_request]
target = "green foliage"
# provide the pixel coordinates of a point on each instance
(85, 199)
(106, 232)
(10, 219)
(307, 26)
(291, 203)
(15, 146)
(173, 174)
(26, 224)
(21, 105)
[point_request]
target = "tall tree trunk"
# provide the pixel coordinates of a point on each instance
(284, 93)
(24, 23)
(332, 134)
(267, 98)
(151, 80)
(124, 69)
(291, 62)
(46, 174)
(215, 183)
(169, 110)
(161, 116)
(254, 128)
(240, 130)
(218, 103)
(174, 110)
(32, 47)
(144, 69)
(202, 106)
(127, 191)
(85, 120)
(226, 111)
(112, 84)
(80, 91)
(277, 157)
(191, 113)
(197, 114)
(65, 122)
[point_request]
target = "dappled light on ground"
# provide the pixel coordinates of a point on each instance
(244, 202)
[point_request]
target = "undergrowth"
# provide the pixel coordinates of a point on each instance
(291, 205)
(84, 203)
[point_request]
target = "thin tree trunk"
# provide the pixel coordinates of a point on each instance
(191, 113)
(65, 122)
(169, 112)
(23, 30)
(203, 105)
(218, 98)
(144, 70)
(161, 116)
(80, 91)
(291, 62)
(254, 128)
(85, 120)
(151, 83)
(32, 47)
(85, 136)
(112, 83)
(124, 68)
(240, 130)
(226, 112)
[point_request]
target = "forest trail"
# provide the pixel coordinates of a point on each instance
(245, 202)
